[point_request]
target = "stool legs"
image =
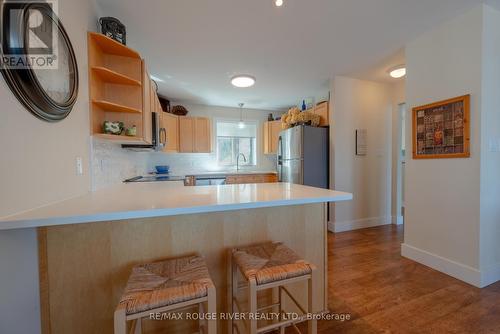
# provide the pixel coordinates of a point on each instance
(212, 310)
(138, 326)
(234, 289)
(120, 321)
(312, 325)
(252, 306)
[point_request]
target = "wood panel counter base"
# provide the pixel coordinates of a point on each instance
(84, 267)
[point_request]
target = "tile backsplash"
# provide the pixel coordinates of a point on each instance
(111, 164)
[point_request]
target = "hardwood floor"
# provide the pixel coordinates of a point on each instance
(386, 293)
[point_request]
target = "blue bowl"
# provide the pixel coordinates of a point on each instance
(162, 169)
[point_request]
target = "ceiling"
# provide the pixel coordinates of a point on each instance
(196, 46)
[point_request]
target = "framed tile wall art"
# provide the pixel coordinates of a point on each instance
(442, 130)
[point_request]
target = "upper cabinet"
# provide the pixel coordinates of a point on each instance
(322, 109)
(116, 85)
(195, 135)
(147, 105)
(169, 131)
(271, 135)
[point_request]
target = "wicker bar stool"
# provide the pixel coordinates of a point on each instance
(271, 265)
(165, 286)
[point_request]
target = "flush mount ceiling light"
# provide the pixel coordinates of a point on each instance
(278, 3)
(397, 72)
(243, 81)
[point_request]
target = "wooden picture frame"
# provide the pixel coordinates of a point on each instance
(441, 130)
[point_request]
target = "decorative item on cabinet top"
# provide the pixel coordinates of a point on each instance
(44, 79)
(165, 103)
(296, 117)
(316, 116)
(179, 110)
(113, 28)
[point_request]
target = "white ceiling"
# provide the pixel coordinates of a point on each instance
(196, 46)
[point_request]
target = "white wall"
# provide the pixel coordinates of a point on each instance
(358, 104)
(38, 168)
(111, 164)
(442, 195)
(451, 205)
(490, 148)
(38, 158)
(398, 97)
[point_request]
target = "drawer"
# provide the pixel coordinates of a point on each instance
(243, 179)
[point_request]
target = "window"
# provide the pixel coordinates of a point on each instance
(233, 140)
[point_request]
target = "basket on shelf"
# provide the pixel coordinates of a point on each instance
(179, 110)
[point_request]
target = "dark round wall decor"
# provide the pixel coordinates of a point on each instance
(39, 63)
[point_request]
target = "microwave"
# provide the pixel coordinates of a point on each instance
(158, 137)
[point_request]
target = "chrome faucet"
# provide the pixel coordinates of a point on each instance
(238, 161)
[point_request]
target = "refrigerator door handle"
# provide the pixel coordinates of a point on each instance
(279, 160)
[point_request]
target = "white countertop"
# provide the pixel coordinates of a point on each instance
(157, 199)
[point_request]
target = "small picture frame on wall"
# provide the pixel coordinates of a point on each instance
(441, 130)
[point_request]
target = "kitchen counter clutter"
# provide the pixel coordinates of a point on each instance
(157, 199)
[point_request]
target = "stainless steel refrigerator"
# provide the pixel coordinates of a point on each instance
(303, 156)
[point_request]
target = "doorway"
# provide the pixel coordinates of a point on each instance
(401, 156)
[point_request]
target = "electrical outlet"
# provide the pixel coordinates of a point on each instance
(79, 166)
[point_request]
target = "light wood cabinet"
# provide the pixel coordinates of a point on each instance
(195, 135)
(202, 138)
(322, 109)
(186, 134)
(251, 178)
(271, 134)
(170, 132)
(147, 105)
(118, 82)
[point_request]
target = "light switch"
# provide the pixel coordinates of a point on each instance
(494, 145)
(79, 166)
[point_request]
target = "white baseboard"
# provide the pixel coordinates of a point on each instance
(490, 275)
(462, 272)
(397, 220)
(357, 224)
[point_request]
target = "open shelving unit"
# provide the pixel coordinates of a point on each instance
(116, 89)
(113, 107)
(110, 76)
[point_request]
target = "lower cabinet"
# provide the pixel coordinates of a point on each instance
(251, 178)
(195, 135)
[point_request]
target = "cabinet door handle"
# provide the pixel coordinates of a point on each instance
(163, 136)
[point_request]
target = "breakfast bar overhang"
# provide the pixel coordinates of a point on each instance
(88, 245)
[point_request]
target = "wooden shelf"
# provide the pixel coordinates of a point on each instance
(110, 76)
(113, 47)
(114, 107)
(121, 138)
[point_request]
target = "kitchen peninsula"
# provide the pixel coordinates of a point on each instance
(88, 244)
